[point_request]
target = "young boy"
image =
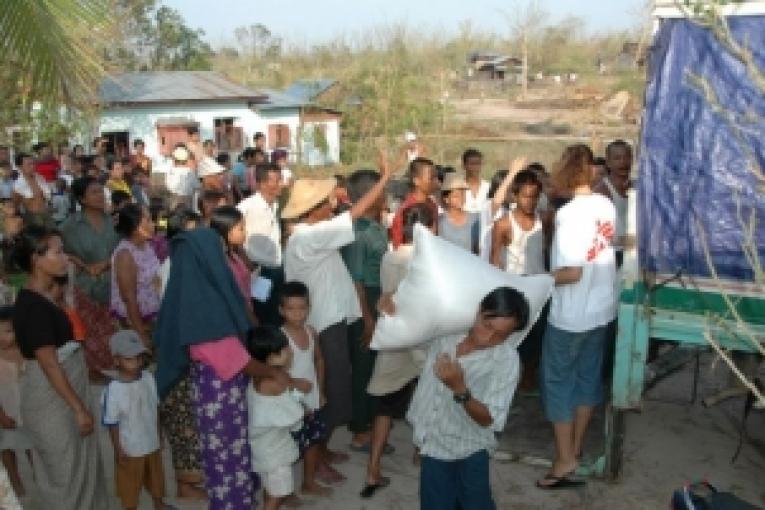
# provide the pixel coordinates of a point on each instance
(308, 364)
(518, 247)
(462, 401)
(363, 258)
(423, 179)
(130, 410)
(312, 256)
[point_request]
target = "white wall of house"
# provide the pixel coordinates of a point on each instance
(141, 122)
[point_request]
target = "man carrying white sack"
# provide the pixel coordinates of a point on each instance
(462, 400)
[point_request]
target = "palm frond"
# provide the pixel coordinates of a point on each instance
(46, 42)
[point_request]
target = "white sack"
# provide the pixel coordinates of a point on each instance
(441, 293)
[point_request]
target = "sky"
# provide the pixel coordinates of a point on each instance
(312, 21)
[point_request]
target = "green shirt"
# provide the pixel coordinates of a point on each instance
(83, 241)
(364, 255)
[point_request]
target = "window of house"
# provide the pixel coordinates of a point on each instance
(228, 137)
(278, 136)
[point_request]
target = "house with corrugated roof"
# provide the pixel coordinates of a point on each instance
(160, 107)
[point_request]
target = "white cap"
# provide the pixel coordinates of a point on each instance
(409, 136)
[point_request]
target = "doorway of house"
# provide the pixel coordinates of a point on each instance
(117, 143)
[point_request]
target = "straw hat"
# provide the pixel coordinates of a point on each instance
(453, 181)
(307, 194)
(208, 166)
(181, 154)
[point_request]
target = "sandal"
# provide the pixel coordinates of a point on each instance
(560, 482)
(369, 489)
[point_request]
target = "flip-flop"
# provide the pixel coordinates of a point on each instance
(369, 489)
(364, 448)
(560, 482)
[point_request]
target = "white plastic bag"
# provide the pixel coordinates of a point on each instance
(441, 293)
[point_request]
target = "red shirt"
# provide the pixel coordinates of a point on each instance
(48, 169)
(397, 228)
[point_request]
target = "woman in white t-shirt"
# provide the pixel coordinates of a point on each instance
(583, 303)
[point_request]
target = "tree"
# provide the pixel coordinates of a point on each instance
(258, 46)
(525, 23)
(48, 61)
(45, 46)
(153, 37)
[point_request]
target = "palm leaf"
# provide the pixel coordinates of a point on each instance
(46, 42)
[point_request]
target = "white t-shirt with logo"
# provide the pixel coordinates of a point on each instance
(133, 407)
(584, 229)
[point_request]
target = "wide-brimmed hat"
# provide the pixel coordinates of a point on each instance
(453, 181)
(181, 154)
(208, 166)
(307, 194)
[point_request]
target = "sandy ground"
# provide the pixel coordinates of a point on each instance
(669, 442)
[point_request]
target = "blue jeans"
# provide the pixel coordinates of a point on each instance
(456, 484)
(572, 368)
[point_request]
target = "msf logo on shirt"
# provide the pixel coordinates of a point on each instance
(603, 236)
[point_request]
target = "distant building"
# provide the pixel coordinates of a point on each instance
(489, 66)
(159, 107)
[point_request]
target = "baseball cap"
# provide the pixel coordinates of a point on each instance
(126, 343)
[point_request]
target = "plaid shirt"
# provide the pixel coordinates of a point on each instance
(443, 429)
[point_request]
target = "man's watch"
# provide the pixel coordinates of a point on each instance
(463, 398)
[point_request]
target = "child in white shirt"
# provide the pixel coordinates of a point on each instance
(274, 410)
(308, 364)
(130, 410)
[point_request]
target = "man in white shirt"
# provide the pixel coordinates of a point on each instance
(462, 401)
(181, 180)
(263, 244)
(30, 192)
(477, 194)
(312, 257)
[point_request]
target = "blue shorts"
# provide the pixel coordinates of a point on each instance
(571, 373)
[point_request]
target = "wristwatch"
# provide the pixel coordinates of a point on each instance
(463, 398)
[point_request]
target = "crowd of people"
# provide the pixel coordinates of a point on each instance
(232, 310)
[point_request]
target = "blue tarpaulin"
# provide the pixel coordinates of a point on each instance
(697, 150)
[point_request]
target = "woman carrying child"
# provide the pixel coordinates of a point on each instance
(202, 326)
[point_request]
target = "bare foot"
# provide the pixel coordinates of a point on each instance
(329, 475)
(315, 489)
(333, 457)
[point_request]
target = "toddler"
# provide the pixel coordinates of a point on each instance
(274, 411)
(130, 410)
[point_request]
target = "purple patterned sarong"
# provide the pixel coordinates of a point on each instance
(221, 410)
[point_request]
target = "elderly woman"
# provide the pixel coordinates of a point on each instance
(135, 272)
(54, 383)
(89, 239)
(201, 328)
